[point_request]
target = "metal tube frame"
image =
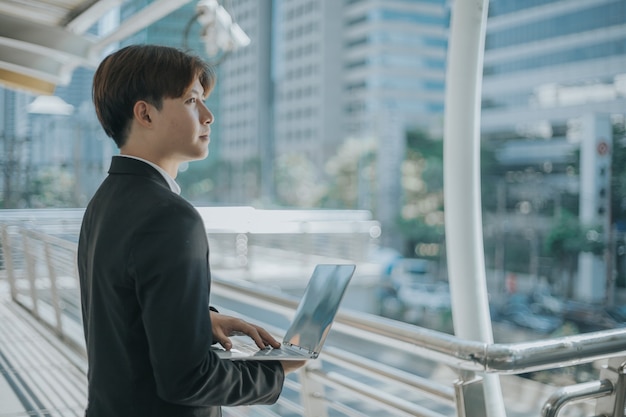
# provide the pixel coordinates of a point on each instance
(567, 395)
(614, 373)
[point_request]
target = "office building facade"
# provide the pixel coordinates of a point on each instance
(550, 61)
(244, 114)
(555, 78)
(395, 55)
(394, 73)
(337, 69)
(280, 95)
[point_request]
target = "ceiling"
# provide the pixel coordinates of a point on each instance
(43, 41)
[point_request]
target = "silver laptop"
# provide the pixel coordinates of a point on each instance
(312, 321)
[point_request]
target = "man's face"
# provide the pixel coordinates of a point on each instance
(183, 126)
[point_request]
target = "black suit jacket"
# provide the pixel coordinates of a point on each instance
(143, 261)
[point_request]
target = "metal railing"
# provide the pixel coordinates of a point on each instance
(370, 365)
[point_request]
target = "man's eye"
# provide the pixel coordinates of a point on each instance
(192, 100)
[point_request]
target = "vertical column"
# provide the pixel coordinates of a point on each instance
(463, 213)
(594, 204)
(391, 138)
(312, 393)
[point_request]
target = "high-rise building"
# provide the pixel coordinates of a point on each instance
(315, 73)
(281, 94)
(394, 71)
(395, 59)
(550, 61)
(554, 79)
(336, 69)
(245, 113)
(308, 78)
(14, 138)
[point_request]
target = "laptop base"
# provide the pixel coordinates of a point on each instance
(285, 353)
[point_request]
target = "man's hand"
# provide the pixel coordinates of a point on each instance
(224, 326)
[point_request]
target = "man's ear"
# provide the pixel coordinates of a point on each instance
(141, 113)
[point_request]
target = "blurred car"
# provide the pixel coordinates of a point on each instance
(406, 271)
(591, 317)
(618, 313)
(410, 290)
(384, 256)
(523, 311)
(428, 295)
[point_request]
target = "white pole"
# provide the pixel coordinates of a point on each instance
(463, 218)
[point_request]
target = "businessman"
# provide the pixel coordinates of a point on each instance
(143, 255)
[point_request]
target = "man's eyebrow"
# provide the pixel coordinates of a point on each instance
(198, 93)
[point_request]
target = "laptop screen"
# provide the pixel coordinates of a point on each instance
(318, 306)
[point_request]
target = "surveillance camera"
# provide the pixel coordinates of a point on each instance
(219, 32)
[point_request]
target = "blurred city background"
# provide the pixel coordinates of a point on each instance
(328, 147)
(335, 108)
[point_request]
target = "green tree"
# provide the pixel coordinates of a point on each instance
(51, 188)
(618, 200)
(618, 179)
(352, 176)
(566, 240)
(297, 184)
(421, 217)
(212, 180)
(196, 182)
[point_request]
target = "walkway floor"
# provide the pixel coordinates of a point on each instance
(39, 376)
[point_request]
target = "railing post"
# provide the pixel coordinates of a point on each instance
(30, 261)
(306, 241)
(241, 250)
(569, 394)
(54, 293)
(614, 371)
(8, 261)
(312, 394)
(470, 396)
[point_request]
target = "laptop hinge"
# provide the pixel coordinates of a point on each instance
(309, 353)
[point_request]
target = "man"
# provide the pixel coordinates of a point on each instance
(143, 256)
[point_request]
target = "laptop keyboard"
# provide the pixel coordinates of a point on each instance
(249, 348)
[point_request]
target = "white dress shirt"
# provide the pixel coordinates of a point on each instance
(170, 181)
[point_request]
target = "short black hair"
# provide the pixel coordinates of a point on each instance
(143, 72)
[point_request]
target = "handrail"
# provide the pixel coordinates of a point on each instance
(501, 358)
(471, 360)
(567, 395)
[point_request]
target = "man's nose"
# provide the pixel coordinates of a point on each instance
(207, 116)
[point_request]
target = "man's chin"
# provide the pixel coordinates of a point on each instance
(197, 157)
(204, 155)
(203, 152)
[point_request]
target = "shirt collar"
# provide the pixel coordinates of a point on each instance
(170, 181)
